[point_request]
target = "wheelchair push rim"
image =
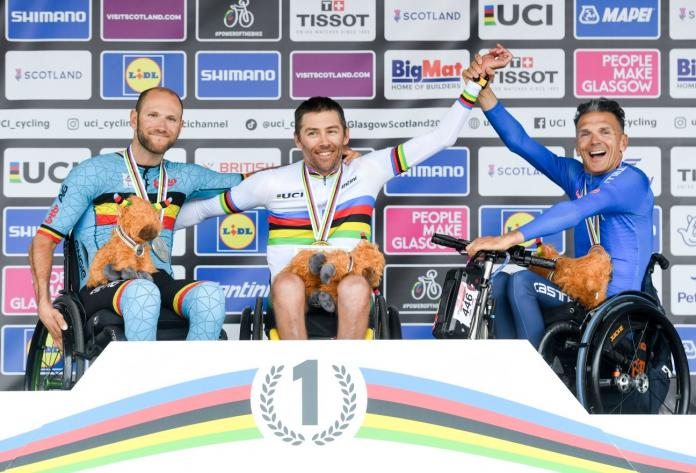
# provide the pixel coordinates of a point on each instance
(637, 366)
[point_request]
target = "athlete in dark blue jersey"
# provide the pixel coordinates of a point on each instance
(87, 208)
(611, 204)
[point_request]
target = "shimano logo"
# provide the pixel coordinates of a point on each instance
(436, 171)
(24, 16)
(238, 75)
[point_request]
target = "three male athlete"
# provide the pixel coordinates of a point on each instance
(86, 206)
(610, 203)
(321, 201)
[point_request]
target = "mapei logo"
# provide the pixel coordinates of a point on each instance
(240, 284)
(126, 74)
(596, 19)
(495, 220)
(39, 20)
(237, 75)
(19, 228)
(237, 234)
(444, 174)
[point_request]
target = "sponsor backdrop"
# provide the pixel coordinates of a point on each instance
(72, 69)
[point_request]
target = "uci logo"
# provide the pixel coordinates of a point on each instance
(143, 73)
(237, 231)
(533, 15)
(36, 172)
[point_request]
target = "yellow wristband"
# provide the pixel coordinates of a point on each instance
(482, 81)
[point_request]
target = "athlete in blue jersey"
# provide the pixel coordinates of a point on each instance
(86, 206)
(611, 204)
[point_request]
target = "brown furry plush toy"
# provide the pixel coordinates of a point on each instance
(584, 279)
(127, 254)
(321, 271)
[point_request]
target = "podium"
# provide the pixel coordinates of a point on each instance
(394, 405)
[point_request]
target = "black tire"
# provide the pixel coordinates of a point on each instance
(394, 323)
(637, 365)
(257, 320)
(559, 348)
(47, 367)
(245, 324)
(382, 328)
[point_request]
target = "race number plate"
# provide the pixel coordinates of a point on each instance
(465, 304)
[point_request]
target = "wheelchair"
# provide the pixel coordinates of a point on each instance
(383, 324)
(49, 368)
(622, 357)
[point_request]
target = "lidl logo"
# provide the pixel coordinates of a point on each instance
(126, 74)
(240, 284)
(241, 234)
(497, 220)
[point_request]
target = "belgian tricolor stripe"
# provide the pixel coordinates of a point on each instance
(116, 301)
(398, 160)
(50, 233)
(179, 298)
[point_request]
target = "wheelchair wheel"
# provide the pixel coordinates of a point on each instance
(637, 365)
(245, 324)
(256, 320)
(559, 348)
(380, 320)
(49, 368)
(394, 323)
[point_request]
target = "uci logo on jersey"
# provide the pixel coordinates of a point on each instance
(617, 19)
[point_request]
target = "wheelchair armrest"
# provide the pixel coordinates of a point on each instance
(659, 259)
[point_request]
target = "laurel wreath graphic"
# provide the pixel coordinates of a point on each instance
(288, 435)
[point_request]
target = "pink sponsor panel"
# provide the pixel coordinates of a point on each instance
(617, 73)
(407, 229)
(18, 292)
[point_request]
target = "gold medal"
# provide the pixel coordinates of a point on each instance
(160, 248)
(321, 243)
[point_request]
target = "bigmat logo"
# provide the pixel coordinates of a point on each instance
(154, 20)
(339, 74)
(332, 20)
(617, 73)
(247, 20)
(683, 171)
(682, 73)
(503, 173)
(38, 75)
(683, 289)
(26, 175)
(414, 288)
(44, 20)
(416, 20)
(18, 292)
(236, 234)
(240, 284)
(515, 19)
(19, 227)
(423, 74)
(683, 230)
(682, 19)
(532, 73)
(237, 75)
(628, 19)
(495, 220)
(125, 74)
(444, 174)
(14, 340)
(408, 229)
(687, 333)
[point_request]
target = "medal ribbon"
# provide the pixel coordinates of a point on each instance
(321, 233)
(138, 183)
(592, 223)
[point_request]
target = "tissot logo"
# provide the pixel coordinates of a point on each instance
(617, 19)
(332, 20)
(683, 171)
(512, 19)
(532, 73)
